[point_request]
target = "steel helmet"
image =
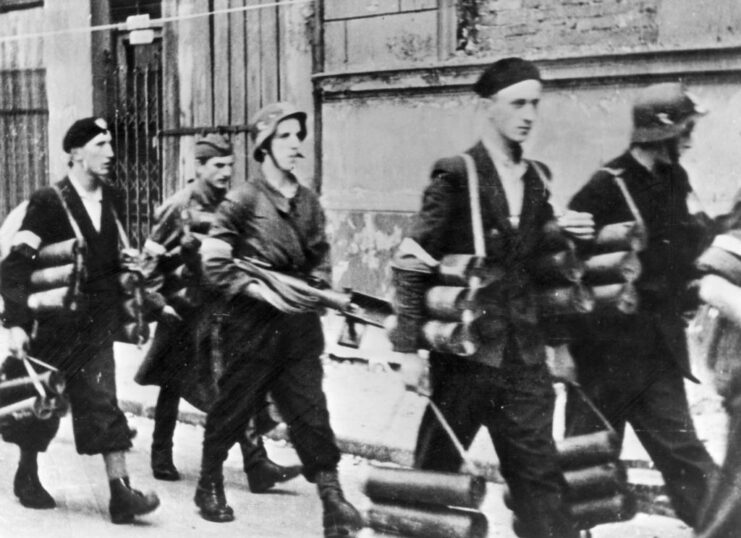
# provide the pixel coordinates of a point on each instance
(662, 112)
(266, 121)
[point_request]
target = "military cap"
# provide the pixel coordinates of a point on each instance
(83, 131)
(213, 145)
(503, 73)
(663, 111)
(266, 121)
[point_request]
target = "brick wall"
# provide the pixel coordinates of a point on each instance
(548, 28)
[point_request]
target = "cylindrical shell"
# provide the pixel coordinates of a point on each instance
(458, 269)
(18, 389)
(57, 276)
(423, 522)
(620, 507)
(563, 301)
(410, 287)
(586, 450)
(449, 337)
(624, 297)
(621, 236)
(613, 267)
(446, 302)
(558, 268)
(23, 406)
(129, 282)
(596, 482)
(53, 300)
(410, 486)
(60, 253)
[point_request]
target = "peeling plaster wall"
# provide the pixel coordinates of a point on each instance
(393, 101)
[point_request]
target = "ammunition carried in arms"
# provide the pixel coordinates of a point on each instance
(294, 294)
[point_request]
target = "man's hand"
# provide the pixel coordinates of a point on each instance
(18, 342)
(577, 224)
(415, 372)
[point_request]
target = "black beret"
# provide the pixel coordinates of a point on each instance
(83, 131)
(503, 73)
(213, 145)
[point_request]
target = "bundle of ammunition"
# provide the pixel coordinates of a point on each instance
(55, 282)
(415, 503)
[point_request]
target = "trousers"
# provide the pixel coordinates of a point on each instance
(515, 403)
(627, 371)
(268, 351)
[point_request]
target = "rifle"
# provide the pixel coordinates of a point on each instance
(296, 294)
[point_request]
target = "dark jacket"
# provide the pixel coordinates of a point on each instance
(47, 219)
(675, 239)
(101, 294)
(180, 349)
(443, 226)
(257, 221)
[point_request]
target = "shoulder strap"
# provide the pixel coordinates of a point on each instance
(75, 227)
(477, 225)
(122, 237)
(617, 175)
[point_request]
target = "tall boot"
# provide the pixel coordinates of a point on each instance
(262, 472)
(341, 519)
(27, 486)
(165, 419)
(127, 502)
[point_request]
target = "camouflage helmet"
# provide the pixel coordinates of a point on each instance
(662, 112)
(266, 121)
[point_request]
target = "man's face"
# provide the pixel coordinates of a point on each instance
(512, 111)
(217, 171)
(286, 143)
(95, 157)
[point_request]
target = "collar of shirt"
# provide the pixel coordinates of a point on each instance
(281, 202)
(93, 196)
(511, 177)
(92, 201)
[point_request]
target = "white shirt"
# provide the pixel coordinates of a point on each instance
(510, 174)
(92, 201)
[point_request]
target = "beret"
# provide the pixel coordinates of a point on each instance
(213, 145)
(504, 73)
(83, 131)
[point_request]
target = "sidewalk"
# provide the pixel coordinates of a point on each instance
(374, 417)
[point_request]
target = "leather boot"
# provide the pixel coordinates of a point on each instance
(210, 498)
(265, 473)
(27, 487)
(162, 466)
(341, 519)
(127, 502)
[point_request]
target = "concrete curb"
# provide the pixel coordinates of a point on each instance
(645, 482)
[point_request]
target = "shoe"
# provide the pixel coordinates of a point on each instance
(162, 466)
(27, 487)
(127, 502)
(132, 432)
(211, 500)
(265, 474)
(340, 519)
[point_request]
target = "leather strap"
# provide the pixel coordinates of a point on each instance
(477, 224)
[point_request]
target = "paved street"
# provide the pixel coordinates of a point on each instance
(293, 510)
(366, 408)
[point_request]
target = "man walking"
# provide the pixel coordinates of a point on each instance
(80, 342)
(633, 365)
(181, 352)
(505, 386)
(277, 223)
